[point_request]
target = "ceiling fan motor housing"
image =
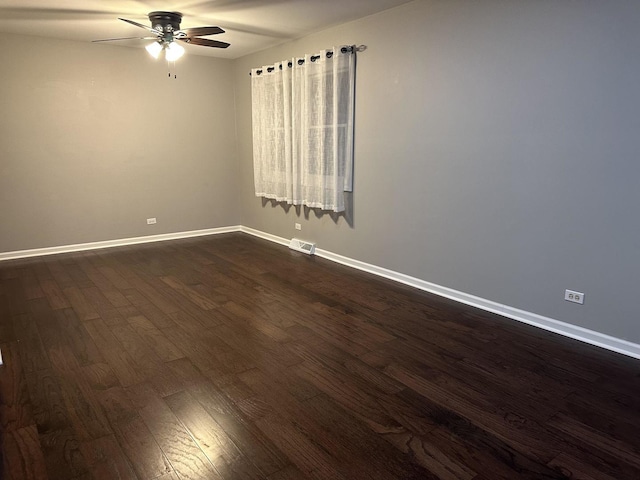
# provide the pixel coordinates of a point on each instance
(166, 22)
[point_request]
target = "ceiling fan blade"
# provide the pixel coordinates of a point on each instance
(124, 38)
(201, 31)
(149, 29)
(204, 42)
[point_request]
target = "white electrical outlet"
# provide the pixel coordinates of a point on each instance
(298, 226)
(151, 221)
(575, 297)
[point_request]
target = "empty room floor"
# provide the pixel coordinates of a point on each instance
(229, 357)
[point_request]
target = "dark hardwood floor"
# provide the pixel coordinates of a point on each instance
(228, 357)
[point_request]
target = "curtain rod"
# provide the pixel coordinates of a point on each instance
(347, 49)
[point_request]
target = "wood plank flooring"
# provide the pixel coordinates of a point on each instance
(228, 357)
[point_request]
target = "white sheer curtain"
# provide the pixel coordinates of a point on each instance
(303, 129)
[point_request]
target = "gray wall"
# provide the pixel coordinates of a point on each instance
(95, 138)
(499, 155)
(497, 152)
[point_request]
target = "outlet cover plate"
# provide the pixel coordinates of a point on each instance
(573, 296)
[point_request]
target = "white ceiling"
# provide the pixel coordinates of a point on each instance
(250, 25)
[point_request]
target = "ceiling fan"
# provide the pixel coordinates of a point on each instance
(165, 28)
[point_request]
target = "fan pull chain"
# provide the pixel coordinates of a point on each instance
(175, 73)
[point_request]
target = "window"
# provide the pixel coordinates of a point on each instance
(303, 129)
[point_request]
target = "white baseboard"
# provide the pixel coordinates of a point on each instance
(265, 236)
(568, 330)
(579, 333)
(78, 247)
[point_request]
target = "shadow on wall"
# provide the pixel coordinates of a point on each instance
(347, 214)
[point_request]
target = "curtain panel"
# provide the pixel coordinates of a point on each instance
(302, 114)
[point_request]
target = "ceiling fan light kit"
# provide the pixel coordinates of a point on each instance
(165, 26)
(154, 49)
(173, 52)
